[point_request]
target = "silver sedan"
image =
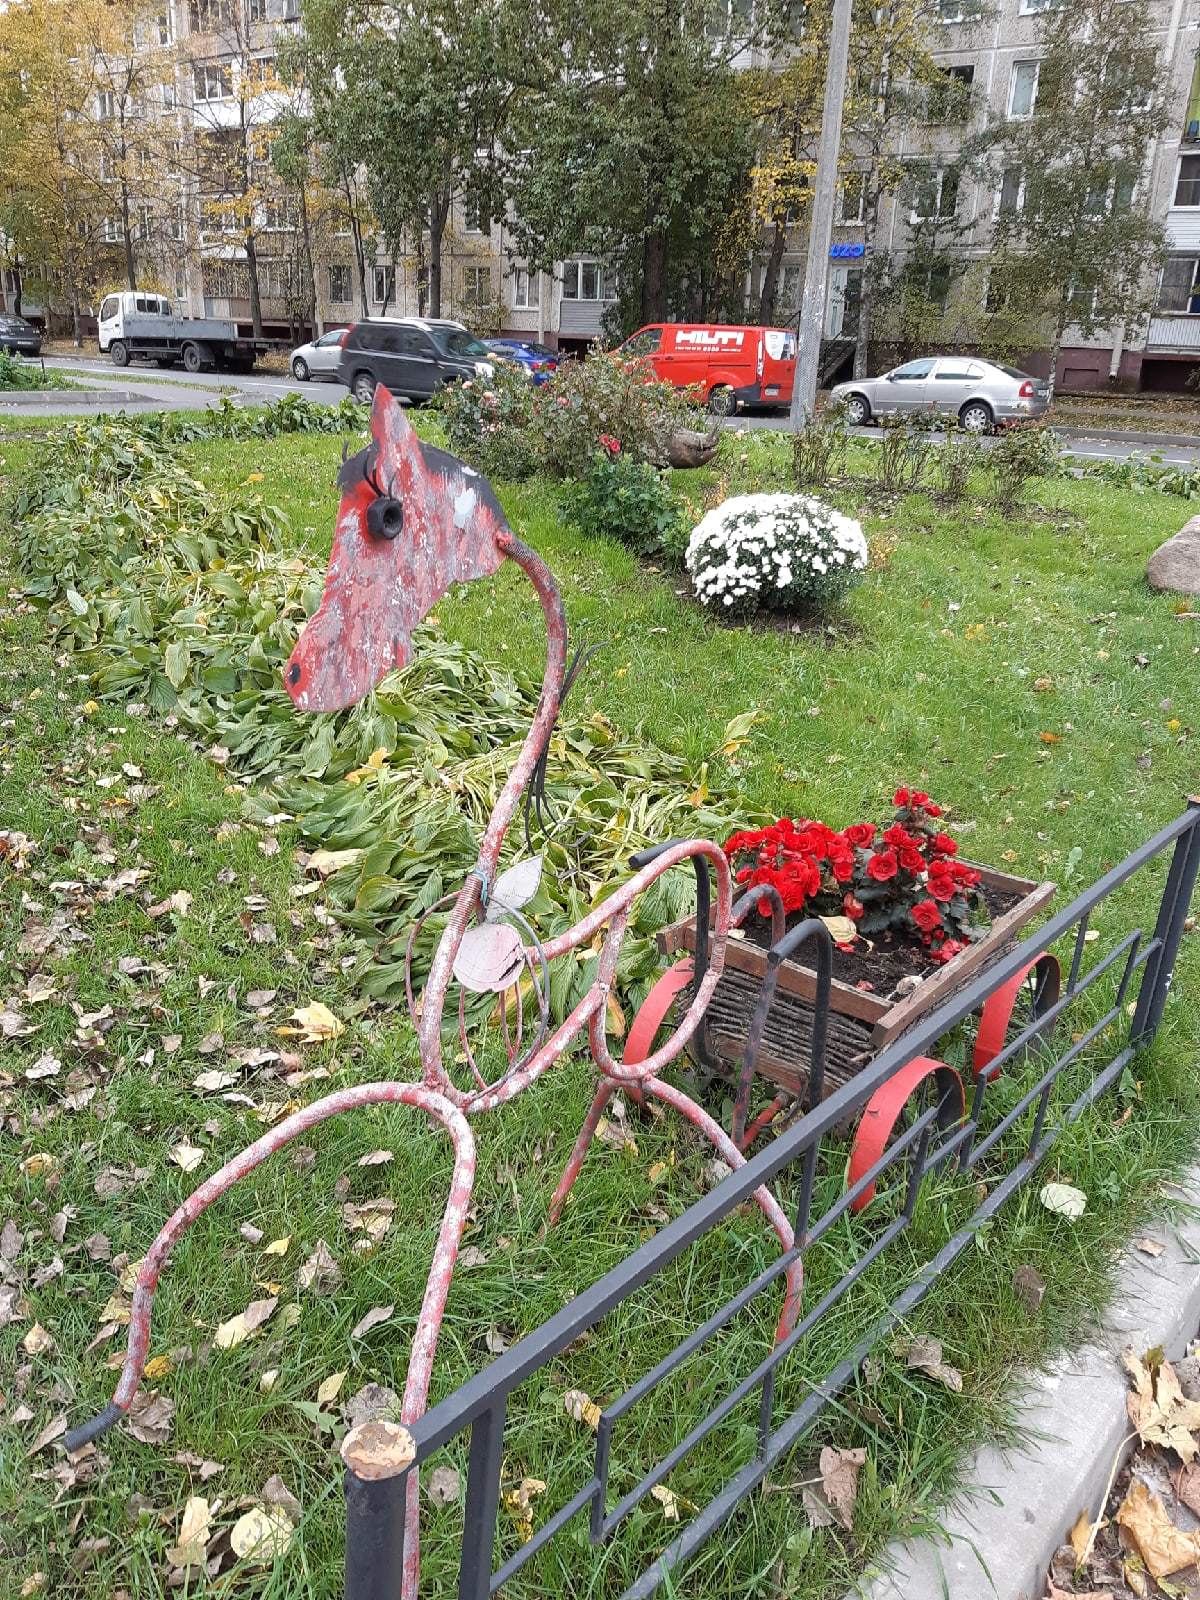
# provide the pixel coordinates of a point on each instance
(981, 394)
(319, 358)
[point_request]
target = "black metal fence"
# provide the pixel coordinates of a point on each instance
(1121, 990)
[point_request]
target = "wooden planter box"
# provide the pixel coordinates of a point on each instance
(860, 1023)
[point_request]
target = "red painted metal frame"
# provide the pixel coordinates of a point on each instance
(412, 522)
(883, 1111)
(997, 1012)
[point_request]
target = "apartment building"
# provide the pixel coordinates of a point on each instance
(991, 68)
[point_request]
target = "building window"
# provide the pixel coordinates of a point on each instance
(1034, 8)
(852, 196)
(1022, 90)
(168, 95)
(477, 286)
(164, 27)
(210, 16)
(260, 72)
(383, 284)
(1131, 77)
(1081, 300)
(996, 298)
(112, 230)
(1179, 286)
(106, 105)
(1187, 184)
(934, 194)
(474, 220)
(212, 80)
(948, 99)
(1191, 117)
(959, 10)
(527, 288)
(280, 214)
(256, 10)
(340, 286)
(932, 283)
(582, 280)
(177, 223)
(1012, 192)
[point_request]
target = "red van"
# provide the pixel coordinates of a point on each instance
(732, 366)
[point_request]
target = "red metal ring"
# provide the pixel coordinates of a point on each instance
(652, 1013)
(882, 1112)
(999, 1005)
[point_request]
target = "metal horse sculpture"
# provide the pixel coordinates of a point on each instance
(414, 520)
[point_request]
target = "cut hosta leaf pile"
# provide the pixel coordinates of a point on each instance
(176, 599)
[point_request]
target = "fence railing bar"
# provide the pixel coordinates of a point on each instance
(1168, 928)
(1044, 1083)
(687, 1347)
(1077, 954)
(1131, 967)
(603, 1451)
(483, 1501)
(448, 1418)
(545, 1533)
(916, 1173)
(1102, 1081)
(765, 1409)
(890, 1157)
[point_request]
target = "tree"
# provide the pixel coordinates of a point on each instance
(1071, 245)
(630, 139)
(414, 92)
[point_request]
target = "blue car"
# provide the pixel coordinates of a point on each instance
(537, 359)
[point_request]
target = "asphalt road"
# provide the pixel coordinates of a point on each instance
(171, 390)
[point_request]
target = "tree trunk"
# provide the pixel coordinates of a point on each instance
(770, 283)
(309, 267)
(422, 275)
(654, 276)
(256, 323)
(19, 291)
(866, 304)
(360, 255)
(439, 212)
(127, 232)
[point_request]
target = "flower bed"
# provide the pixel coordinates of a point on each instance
(775, 551)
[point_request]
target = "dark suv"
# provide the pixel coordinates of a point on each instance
(413, 357)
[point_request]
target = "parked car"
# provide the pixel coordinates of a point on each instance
(319, 357)
(981, 394)
(537, 359)
(413, 357)
(731, 366)
(19, 337)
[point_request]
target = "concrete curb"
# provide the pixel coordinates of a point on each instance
(1113, 436)
(42, 397)
(1017, 1508)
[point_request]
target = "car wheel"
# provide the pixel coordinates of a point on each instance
(858, 411)
(721, 402)
(976, 417)
(300, 370)
(118, 353)
(192, 359)
(363, 388)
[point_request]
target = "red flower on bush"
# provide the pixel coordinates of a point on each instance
(882, 866)
(613, 446)
(927, 915)
(900, 878)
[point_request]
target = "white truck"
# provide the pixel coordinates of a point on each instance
(134, 323)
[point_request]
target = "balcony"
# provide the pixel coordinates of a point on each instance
(1174, 334)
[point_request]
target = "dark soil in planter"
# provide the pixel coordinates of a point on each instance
(894, 956)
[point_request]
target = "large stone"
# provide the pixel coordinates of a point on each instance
(690, 449)
(1176, 564)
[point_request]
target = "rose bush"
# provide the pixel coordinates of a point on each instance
(900, 879)
(622, 498)
(510, 428)
(781, 551)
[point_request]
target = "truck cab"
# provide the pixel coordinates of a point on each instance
(116, 309)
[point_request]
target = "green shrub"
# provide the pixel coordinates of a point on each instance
(819, 449)
(905, 454)
(18, 374)
(1017, 457)
(959, 456)
(493, 423)
(625, 499)
(510, 428)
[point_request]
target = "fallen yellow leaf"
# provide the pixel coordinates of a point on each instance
(262, 1535)
(1162, 1546)
(330, 1388)
(278, 1247)
(316, 1023)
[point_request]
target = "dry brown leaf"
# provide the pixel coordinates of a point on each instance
(925, 1355)
(263, 1534)
(1055, 1593)
(150, 1417)
(1081, 1536)
(517, 1501)
(582, 1408)
(376, 1158)
(1162, 1546)
(238, 1329)
(1029, 1286)
(193, 1534)
(670, 1502)
(442, 1486)
(315, 1023)
(1150, 1247)
(320, 1272)
(1158, 1409)
(37, 1342)
(1187, 1487)
(326, 862)
(187, 1155)
(839, 1480)
(373, 1318)
(330, 1388)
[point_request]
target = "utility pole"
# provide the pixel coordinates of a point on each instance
(820, 223)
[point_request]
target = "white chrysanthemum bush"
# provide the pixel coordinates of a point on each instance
(775, 551)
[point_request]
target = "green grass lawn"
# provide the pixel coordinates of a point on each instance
(976, 638)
